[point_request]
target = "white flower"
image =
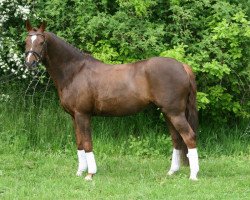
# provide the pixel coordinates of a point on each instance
(11, 56)
(4, 97)
(23, 11)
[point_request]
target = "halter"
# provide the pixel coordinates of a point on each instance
(38, 56)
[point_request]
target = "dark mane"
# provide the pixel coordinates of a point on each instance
(85, 55)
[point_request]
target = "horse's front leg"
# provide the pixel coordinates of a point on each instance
(84, 145)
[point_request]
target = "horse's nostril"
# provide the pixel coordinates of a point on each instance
(29, 64)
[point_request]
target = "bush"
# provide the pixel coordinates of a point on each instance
(12, 14)
(212, 36)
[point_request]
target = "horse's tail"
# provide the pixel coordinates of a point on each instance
(191, 109)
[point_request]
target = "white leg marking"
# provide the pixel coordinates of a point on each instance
(91, 163)
(82, 162)
(176, 161)
(194, 163)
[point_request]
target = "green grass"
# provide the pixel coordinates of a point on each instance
(38, 122)
(51, 175)
(38, 156)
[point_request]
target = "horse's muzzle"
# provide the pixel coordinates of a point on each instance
(31, 65)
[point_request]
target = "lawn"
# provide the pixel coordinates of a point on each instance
(38, 156)
(51, 175)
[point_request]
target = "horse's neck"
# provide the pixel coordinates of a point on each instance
(62, 60)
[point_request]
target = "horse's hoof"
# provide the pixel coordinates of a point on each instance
(193, 178)
(79, 173)
(89, 177)
(171, 172)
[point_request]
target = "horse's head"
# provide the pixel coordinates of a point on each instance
(35, 45)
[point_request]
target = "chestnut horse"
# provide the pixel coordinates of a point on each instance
(88, 87)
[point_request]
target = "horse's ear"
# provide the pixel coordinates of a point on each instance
(28, 25)
(43, 26)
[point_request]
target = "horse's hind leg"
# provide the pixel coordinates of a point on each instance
(179, 147)
(181, 124)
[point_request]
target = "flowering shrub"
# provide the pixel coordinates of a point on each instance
(12, 16)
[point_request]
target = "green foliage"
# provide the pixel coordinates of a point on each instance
(212, 36)
(147, 146)
(214, 39)
(178, 52)
(138, 7)
(202, 100)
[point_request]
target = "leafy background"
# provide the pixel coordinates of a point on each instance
(212, 36)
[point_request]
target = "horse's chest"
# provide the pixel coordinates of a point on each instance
(66, 103)
(73, 100)
(68, 99)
